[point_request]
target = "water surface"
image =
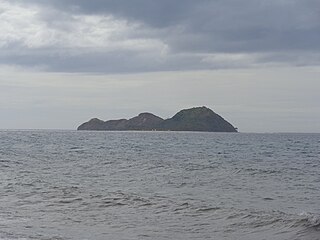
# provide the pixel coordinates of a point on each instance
(159, 185)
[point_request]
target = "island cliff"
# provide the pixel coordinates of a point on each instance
(200, 119)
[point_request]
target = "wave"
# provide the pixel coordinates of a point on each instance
(272, 222)
(257, 171)
(310, 219)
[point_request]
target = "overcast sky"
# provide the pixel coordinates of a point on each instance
(255, 62)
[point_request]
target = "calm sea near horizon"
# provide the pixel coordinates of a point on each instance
(78, 185)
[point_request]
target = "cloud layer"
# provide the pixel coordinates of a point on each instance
(120, 36)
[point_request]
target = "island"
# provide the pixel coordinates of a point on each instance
(200, 119)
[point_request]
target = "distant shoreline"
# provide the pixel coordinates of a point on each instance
(137, 131)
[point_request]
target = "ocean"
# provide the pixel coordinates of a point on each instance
(159, 185)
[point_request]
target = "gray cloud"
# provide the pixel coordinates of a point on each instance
(69, 60)
(152, 12)
(152, 35)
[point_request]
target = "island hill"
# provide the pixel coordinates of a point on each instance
(200, 119)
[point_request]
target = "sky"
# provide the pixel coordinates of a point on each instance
(254, 62)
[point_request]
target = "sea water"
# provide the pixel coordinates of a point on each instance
(159, 185)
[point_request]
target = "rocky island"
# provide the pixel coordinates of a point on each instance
(200, 119)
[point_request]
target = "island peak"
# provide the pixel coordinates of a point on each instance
(193, 119)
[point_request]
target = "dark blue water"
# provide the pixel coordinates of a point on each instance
(159, 185)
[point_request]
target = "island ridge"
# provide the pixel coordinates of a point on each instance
(200, 119)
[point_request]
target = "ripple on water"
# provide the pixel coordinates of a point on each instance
(140, 185)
